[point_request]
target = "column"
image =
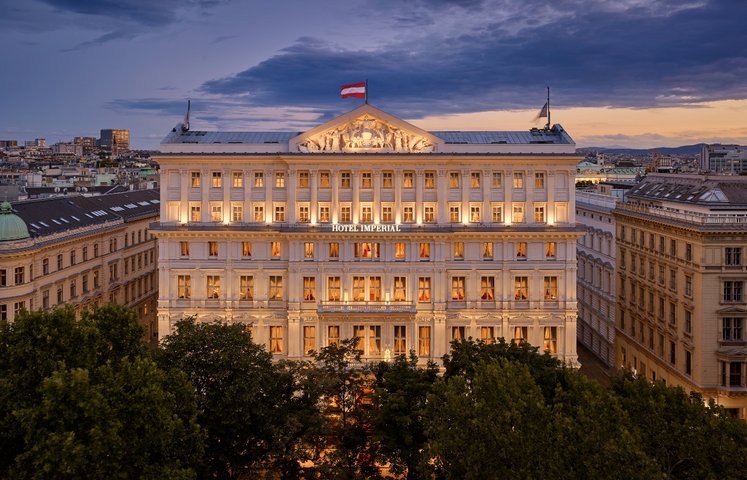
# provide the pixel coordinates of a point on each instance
(443, 199)
(356, 205)
(184, 187)
(487, 213)
(290, 189)
(398, 196)
(419, 181)
(313, 203)
(529, 189)
(551, 198)
(377, 196)
(248, 184)
(465, 186)
(205, 185)
(508, 189)
(334, 178)
(268, 196)
(227, 186)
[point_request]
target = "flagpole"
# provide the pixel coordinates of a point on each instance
(547, 127)
(366, 92)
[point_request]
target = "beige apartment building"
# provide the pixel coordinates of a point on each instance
(80, 251)
(681, 276)
(368, 226)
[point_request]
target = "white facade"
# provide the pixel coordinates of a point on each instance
(368, 226)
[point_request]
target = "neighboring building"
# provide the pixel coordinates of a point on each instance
(36, 143)
(724, 159)
(680, 291)
(88, 144)
(115, 141)
(369, 226)
(68, 148)
(8, 144)
(596, 274)
(80, 251)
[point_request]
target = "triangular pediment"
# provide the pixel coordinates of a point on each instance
(731, 310)
(365, 130)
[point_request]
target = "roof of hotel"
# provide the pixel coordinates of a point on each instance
(54, 215)
(693, 189)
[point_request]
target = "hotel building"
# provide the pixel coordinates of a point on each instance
(370, 227)
(680, 290)
(80, 251)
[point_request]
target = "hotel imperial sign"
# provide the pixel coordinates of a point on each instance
(370, 227)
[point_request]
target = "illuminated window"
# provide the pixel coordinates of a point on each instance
(246, 249)
(259, 179)
(518, 180)
(386, 179)
(374, 289)
(454, 216)
(550, 250)
(279, 213)
(539, 214)
(217, 180)
(195, 179)
(408, 214)
(487, 288)
(345, 180)
(487, 334)
(333, 289)
(184, 249)
(216, 212)
(521, 250)
(458, 333)
(237, 213)
(303, 214)
(487, 249)
(518, 213)
(333, 335)
(424, 289)
(213, 286)
(497, 214)
(429, 214)
(425, 251)
(551, 340)
(259, 213)
(497, 180)
(359, 289)
(334, 250)
(399, 250)
(520, 335)
(309, 339)
(430, 180)
(374, 339)
(459, 250)
(309, 289)
(303, 179)
(276, 339)
(324, 180)
(213, 249)
(400, 289)
(551, 288)
(366, 250)
(194, 213)
(308, 250)
(183, 282)
(521, 288)
(324, 214)
(475, 180)
(400, 340)
(345, 214)
(453, 179)
(386, 214)
(279, 179)
(275, 249)
(424, 341)
(366, 180)
(539, 180)
(408, 180)
(276, 288)
(246, 288)
(238, 180)
(474, 214)
(457, 289)
(366, 214)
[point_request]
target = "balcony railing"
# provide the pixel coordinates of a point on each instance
(366, 307)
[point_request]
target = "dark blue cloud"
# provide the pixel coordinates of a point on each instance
(646, 56)
(144, 12)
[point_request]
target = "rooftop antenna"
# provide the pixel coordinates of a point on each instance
(185, 123)
(547, 126)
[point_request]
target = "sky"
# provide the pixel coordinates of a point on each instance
(623, 73)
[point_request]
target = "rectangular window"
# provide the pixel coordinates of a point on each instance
(366, 214)
(246, 288)
(333, 335)
(276, 339)
(195, 215)
(308, 250)
(399, 250)
(424, 289)
(688, 362)
(386, 214)
(733, 291)
(487, 334)
(238, 180)
(359, 289)
(688, 286)
(453, 179)
(213, 286)
(279, 179)
(303, 214)
(216, 212)
(539, 181)
(550, 250)
(345, 180)
(518, 213)
(429, 214)
(408, 180)
(324, 180)
(333, 289)
(275, 249)
(551, 288)
(279, 213)
(735, 374)
(475, 180)
(400, 289)
(259, 179)
(497, 214)
(213, 249)
(487, 250)
(334, 250)
(400, 340)
(408, 214)
(424, 341)
(429, 180)
(374, 289)
(366, 250)
(45, 271)
(673, 247)
(732, 329)
(487, 288)
(73, 260)
(474, 214)
(324, 214)
(518, 180)
(276, 288)
(195, 179)
(217, 180)
(184, 248)
(539, 214)
(454, 216)
(237, 213)
(345, 214)
(459, 250)
(60, 260)
(309, 289)
(672, 353)
(386, 179)
(688, 322)
(520, 335)
(458, 333)
(309, 339)
(366, 180)
(689, 252)
(521, 288)
(521, 250)
(733, 256)
(303, 179)
(551, 340)
(425, 251)
(20, 275)
(457, 289)
(259, 213)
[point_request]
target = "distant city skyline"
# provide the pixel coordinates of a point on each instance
(626, 73)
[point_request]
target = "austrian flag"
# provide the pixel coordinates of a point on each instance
(357, 90)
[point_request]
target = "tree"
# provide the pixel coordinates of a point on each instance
(241, 395)
(401, 390)
(132, 421)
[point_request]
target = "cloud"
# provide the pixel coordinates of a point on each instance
(102, 39)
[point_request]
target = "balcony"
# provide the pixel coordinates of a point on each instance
(366, 307)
